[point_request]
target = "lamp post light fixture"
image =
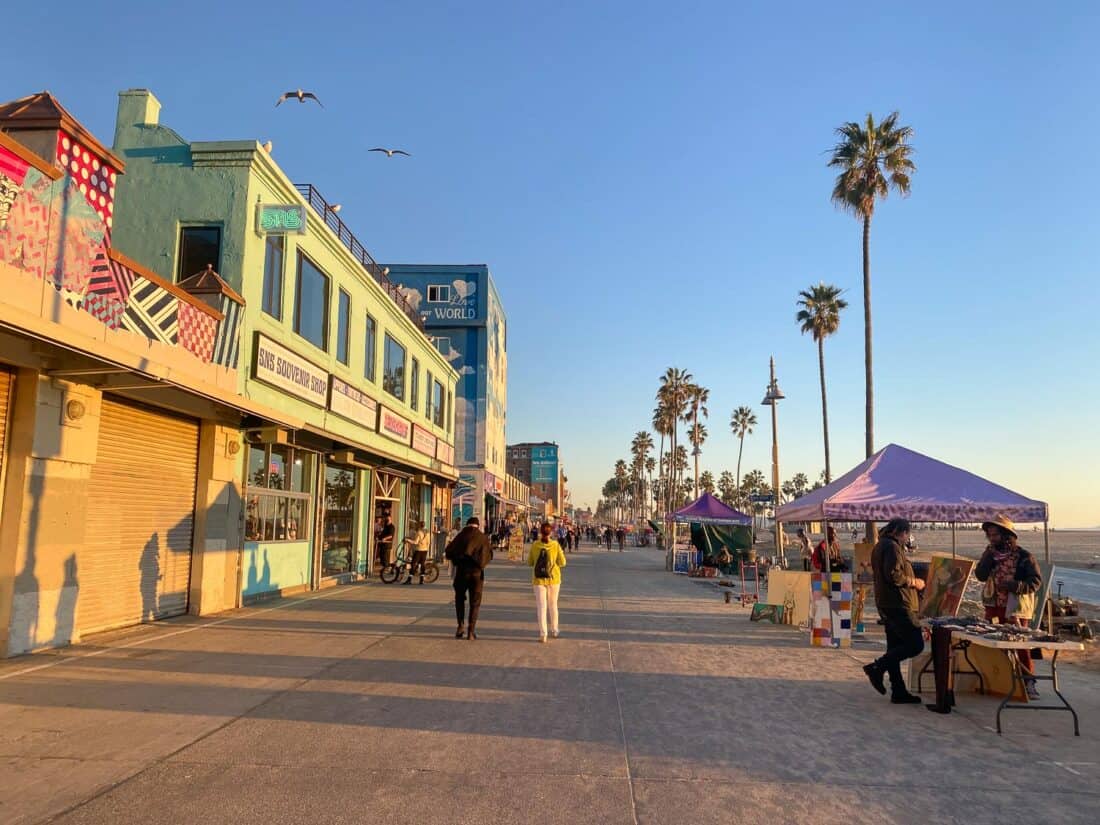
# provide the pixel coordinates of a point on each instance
(772, 396)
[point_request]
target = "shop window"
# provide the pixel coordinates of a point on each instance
(343, 320)
(437, 404)
(414, 385)
(370, 354)
(199, 246)
(311, 303)
(439, 294)
(393, 369)
(273, 276)
(277, 494)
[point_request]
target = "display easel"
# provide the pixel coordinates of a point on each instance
(748, 598)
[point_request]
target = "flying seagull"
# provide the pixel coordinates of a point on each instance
(391, 152)
(300, 95)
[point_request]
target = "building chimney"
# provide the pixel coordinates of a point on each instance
(137, 108)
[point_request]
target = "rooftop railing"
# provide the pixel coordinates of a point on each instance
(357, 250)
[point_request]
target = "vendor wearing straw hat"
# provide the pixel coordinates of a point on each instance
(1011, 579)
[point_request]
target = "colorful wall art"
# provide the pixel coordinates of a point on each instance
(831, 610)
(943, 591)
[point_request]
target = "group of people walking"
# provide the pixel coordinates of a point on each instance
(470, 552)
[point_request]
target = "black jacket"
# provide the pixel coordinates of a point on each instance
(469, 550)
(1028, 579)
(893, 576)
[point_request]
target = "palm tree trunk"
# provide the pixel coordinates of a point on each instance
(869, 373)
(824, 406)
(740, 449)
(695, 448)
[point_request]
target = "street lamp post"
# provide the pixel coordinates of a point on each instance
(771, 399)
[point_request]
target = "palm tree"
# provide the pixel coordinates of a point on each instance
(697, 435)
(742, 420)
(662, 425)
(620, 479)
(727, 487)
(673, 393)
(820, 316)
(706, 481)
(697, 397)
(639, 448)
(873, 159)
(650, 466)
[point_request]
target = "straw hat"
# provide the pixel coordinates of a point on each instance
(1004, 523)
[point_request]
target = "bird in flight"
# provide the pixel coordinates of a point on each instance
(391, 152)
(301, 96)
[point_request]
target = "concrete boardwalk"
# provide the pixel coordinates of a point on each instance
(659, 704)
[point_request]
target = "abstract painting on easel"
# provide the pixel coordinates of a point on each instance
(821, 621)
(943, 591)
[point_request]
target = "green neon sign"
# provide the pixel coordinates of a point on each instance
(280, 219)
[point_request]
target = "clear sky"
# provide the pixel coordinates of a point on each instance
(647, 182)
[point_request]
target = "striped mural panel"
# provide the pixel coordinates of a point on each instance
(152, 311)
(227, 344)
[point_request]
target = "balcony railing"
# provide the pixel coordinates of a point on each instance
(358, 251)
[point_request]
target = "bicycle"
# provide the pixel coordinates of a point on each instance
(392, 572)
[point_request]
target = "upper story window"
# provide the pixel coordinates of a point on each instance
(370, 354)
(450, 412)
(414, 385)
(439, 294)
(438, 409)
(311, 303)
(343, 321)
(199, 246)
(428, 396)
(393, 369)
(273, 276)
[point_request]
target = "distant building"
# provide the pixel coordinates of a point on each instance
(538, 464)
(462, 311)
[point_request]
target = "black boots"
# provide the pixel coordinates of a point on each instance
(875, 673)
(459, 633)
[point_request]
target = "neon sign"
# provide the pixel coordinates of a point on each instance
(280, 219)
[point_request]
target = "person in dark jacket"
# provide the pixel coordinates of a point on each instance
(1011, 579)
(470, 553)
(896, 589)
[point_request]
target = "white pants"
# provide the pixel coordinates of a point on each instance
(546, 602)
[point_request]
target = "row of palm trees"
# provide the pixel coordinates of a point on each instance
(873, 159)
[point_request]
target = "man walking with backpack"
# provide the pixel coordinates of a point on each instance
(470, 553)
(547, 559)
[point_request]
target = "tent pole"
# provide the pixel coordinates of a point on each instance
(1049, 606)
(954, 540)
(1046, 542)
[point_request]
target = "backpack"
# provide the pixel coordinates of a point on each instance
(542, 565)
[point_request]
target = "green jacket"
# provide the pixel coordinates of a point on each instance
(557, 560)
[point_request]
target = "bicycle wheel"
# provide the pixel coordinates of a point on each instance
(389, 573)
(431, 571)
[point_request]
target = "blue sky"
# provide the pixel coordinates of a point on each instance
(647, 183)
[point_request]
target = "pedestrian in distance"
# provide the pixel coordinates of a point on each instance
(385, 540)
(804, 549)
(420, 541)
(607, 537)
(470, 553)
(546, 560)
(620, 536)
(896, 588)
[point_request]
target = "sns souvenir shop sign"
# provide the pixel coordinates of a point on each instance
(290, 372)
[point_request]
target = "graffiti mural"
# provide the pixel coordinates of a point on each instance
(55, 226)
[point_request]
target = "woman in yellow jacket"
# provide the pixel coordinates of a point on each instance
(546, 582)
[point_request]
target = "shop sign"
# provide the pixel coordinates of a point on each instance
(278, 366)
(423, 441)
(394, 426)
(444, 452)
(352, 403)
(280, 219)
(498, 485)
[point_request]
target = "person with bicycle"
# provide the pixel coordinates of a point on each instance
(419, 541)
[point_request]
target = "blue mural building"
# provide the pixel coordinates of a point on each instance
(462, 312)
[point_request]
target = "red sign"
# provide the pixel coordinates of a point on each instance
(394, 426)
(423, 441)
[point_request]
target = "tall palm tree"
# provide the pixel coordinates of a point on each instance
(697, 397)
(650, 466)
(742, 420)
(697, 435)
(621, 476)
(873, 158)
(640, 446)
(820, 316)
(673, 392)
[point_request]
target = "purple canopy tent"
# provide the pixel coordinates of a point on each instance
(709, 510)
(896, 482)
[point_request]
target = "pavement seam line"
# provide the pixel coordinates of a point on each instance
(618, 700)
(168, 756)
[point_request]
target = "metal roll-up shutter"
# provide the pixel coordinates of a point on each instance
(141, 508)
(6, 382)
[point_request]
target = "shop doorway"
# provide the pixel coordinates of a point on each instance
(338, 527)
(387, 513)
